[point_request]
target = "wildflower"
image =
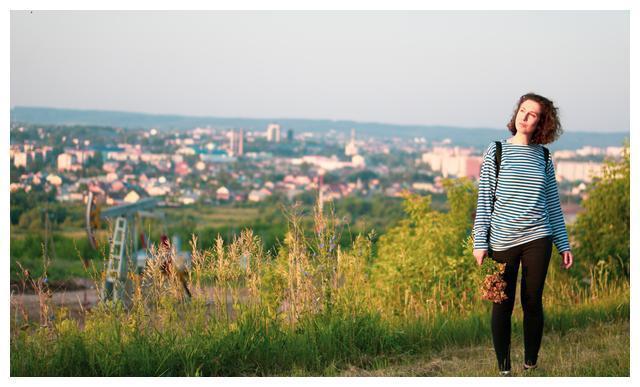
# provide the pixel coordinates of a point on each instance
(493, 287)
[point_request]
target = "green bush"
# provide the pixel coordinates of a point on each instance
(602, 232)
(425, 258)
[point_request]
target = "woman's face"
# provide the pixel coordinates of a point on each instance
(527, 117)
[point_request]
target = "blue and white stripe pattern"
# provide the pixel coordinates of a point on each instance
(527, 203)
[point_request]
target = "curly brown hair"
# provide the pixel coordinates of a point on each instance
(548, 128)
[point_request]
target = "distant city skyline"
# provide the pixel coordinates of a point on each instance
(397, 67)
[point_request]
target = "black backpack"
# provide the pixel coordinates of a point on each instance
(498, 158)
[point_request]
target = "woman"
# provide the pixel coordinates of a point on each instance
(518, 218)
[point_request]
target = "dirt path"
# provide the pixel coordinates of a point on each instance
(27, 305)
(74, 300)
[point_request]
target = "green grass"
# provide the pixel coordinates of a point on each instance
(116, 343)
(215, 217)
(71, 243)
(600, 348)
(63, 253)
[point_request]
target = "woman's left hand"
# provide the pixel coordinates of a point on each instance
(567, 259)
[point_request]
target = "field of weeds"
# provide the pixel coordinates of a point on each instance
(312, 309)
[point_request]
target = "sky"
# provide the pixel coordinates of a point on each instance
(458, 68)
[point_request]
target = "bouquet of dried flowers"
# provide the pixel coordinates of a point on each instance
(493, 286)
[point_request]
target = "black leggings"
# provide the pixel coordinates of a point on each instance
(535, 256)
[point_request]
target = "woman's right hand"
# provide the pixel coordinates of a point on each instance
(480, 255)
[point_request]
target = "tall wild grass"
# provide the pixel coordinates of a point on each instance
(311, 309)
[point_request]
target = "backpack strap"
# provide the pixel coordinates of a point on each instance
(546, 158)
(497, 157)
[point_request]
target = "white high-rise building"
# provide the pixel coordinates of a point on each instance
(578, 170)
(236, 142)
(273, 133)
(456, 161)
(351, 149)
(20, 159)
(65, 161)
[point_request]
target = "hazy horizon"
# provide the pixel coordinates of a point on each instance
(422, 68)
(276, 119)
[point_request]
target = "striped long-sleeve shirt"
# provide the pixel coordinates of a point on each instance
(527, 203)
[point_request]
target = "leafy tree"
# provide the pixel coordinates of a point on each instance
(95, 162)
(22, 201)
(365, 176)
(307, 197)
(32, 220)
(601, 232)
